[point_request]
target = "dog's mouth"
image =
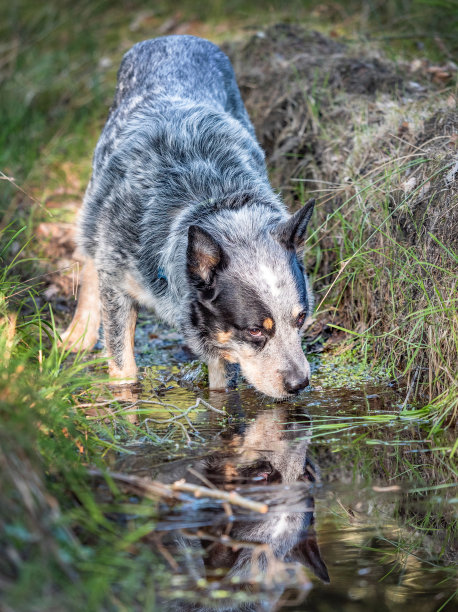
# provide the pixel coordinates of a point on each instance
(261, 472)
(284, 396)
(275, 377)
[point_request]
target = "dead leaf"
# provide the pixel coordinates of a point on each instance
(403, 128)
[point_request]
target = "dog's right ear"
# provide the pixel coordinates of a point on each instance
(291, 233)
(204, 256)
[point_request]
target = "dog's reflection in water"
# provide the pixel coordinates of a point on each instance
(248, 555)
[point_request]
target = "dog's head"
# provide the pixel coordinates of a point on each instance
(252, 298)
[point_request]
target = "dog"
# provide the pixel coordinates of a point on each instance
(179, 217)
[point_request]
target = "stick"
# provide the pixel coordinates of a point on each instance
(231, 497)
(226, 506)
(153, 489)
(150, 488)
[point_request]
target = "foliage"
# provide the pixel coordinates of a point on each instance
(58, 543)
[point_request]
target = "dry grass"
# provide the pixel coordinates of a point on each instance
(376, 143)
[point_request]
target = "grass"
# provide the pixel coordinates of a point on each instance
(382, 254)
(406, 317)
(53, 530)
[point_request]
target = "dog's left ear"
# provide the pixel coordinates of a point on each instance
(204, 256)
(291, 233)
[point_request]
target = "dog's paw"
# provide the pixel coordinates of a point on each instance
(121, 376)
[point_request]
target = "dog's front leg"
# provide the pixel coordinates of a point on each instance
(217, 374)
(119, 315)
(83, 331)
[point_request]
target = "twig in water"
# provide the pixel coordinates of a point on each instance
(228, 496)
(153, 489)
(210, 485)
(388, 489)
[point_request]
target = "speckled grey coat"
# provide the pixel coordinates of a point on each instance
(178, 150)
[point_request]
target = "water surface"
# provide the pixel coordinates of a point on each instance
(360, 513)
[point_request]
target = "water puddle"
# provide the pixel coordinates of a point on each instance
(344, 505)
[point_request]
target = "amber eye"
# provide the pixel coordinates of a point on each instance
(255, 332)
(300, 319)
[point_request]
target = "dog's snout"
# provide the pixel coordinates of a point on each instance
(294, 384)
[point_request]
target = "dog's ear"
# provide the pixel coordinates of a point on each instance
(204, 255)
(307, 553)
(291, 233)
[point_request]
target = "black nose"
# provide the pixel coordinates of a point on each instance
(294, 385)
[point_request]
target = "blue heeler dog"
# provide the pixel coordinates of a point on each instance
(179, 216)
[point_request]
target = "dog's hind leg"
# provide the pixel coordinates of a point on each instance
(119, 314)
(83, 331)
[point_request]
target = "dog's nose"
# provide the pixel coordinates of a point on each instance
(294, 385)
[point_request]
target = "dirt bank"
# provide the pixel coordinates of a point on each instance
(376, 142)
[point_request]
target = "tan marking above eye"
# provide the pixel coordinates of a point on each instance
(268, 323)
(297, 311)
(223, 337)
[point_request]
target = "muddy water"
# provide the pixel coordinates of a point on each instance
(359, 516)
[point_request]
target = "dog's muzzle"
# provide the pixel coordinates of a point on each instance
(294, 381)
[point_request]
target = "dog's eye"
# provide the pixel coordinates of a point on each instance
(255, 332)
(300, 319)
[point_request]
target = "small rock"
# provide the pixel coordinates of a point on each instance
(50, 292)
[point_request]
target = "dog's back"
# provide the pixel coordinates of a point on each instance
(155, 73)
